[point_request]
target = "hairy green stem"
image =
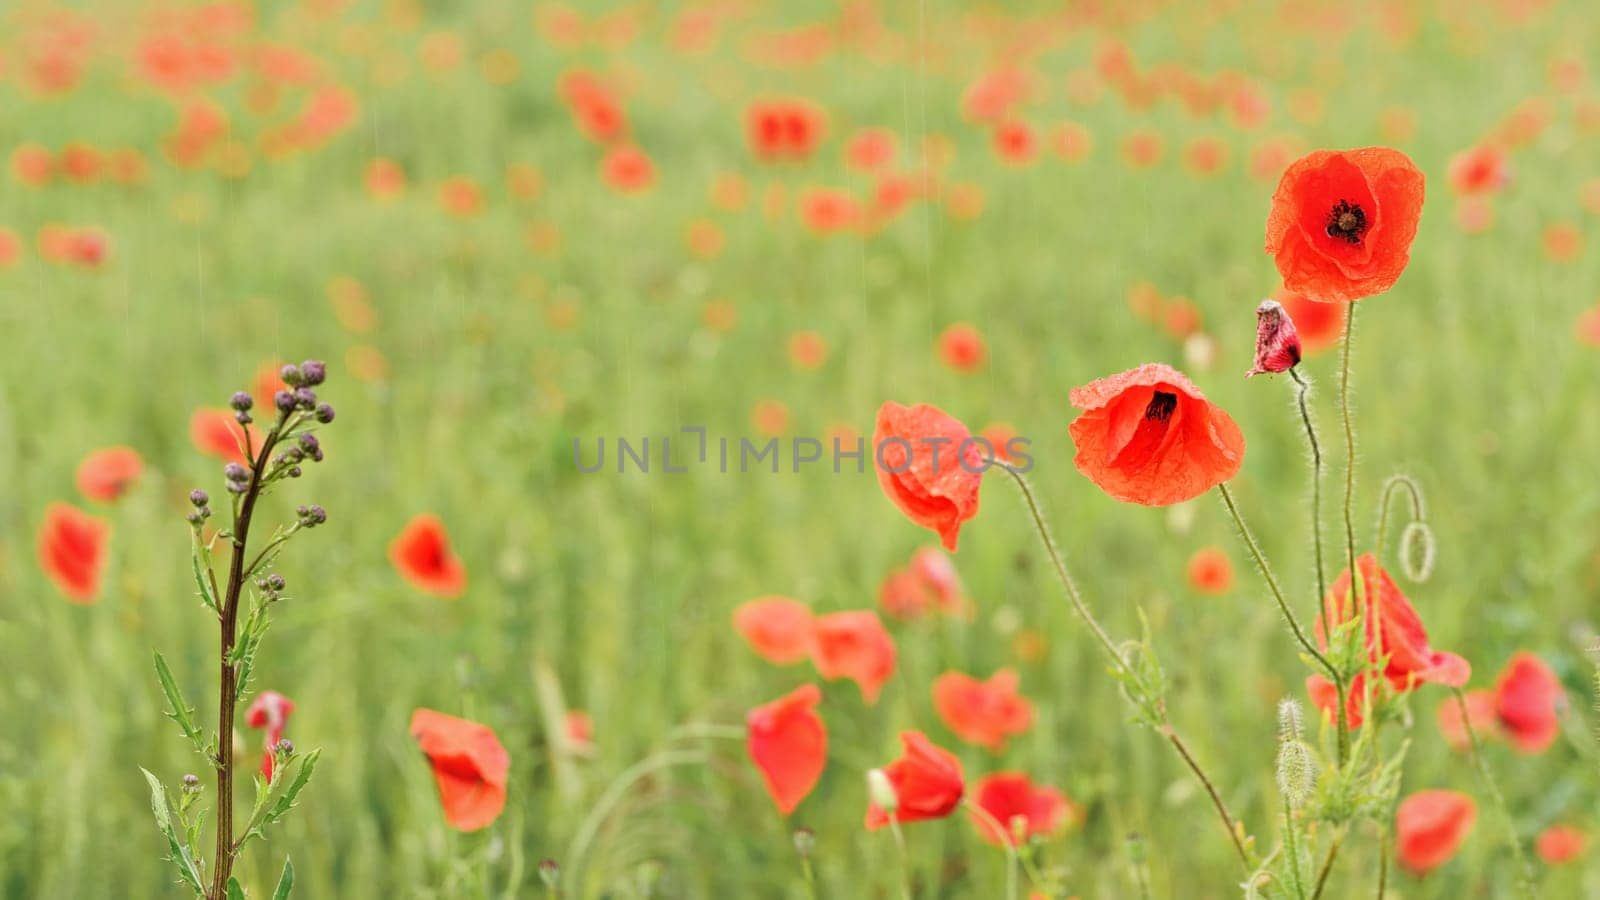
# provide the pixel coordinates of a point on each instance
(1524, 869)
(1316, 492)
(1272, 581)
(1294, 854)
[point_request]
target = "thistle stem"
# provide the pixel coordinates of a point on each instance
(1121, 665)
(227, 694)
(1272, 581)
(1524, 869)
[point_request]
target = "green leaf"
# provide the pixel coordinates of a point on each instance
(285, 881)
(235, 891)
(286, 800)
(201, 570)
(179, 854)
(181, 713)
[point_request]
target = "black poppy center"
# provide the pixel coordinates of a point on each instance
(1347, 221)
(1161, 406)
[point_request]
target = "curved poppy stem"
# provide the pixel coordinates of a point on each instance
(1272, 581)
(578, 851)
(1005, 842)
(1526, 879)
(1316, 491)
(1385, 499)
(1121, 665)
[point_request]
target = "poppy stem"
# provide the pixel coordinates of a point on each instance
(578, 851)
(1073, 596)
(1130, 677)
(1005, 836)
(1327, 865)
(1385, 845)
(1525, 880)
(1418, 510)
(1294, 853)
(1316, 491)
(1272, 581)
(905, 857)
(1357, 582)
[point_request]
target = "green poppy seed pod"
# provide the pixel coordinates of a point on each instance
(805, 841)
(1290, 723)
(881, 791)
(1417, 551)
(1297, 772)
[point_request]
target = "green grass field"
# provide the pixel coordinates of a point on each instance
(468, 352)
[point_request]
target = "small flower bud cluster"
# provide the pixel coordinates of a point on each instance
(311, 516)
(202, 512)
(241, 403)
(237, 477)
(271, 587)
(300, 396)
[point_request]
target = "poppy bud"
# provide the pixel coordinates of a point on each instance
(1277, 341)
(881, 791)
(550, 873)
(805, 841)
(1417, 551)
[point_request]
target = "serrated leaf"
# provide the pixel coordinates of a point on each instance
(285, 881)
(180, 856)
(200, 576)
(181, 712)
(235, 890)
(286, 800)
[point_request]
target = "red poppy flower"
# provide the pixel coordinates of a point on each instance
(1528, 700)
(853, 645)
(579, 728)
(270, 710)
(1210, 571)
(982, 712)
(1560, 844)
(789, 744)
(829, 210)
(1341, 222)
(777, 628)
(214, 432)
(1430, 826)
(1010, 796)
(628, 169)
(961, 347)
(1319, 325)
(1478, 170)
(1587, 328)
(1014, 143)
(422, 554)
(902, 595)
(1404, 640)
(1480, 714)
(938, 573)
(1277, 340)
(105, 474)
(10, 248)
(931, 467)
(1149, 436)
(927, 782)
(469, 765)
(72, 550)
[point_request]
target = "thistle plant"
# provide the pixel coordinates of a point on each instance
(242, 605)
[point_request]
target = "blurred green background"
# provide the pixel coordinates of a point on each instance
(478, 348)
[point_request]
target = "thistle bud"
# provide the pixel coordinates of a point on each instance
(241, 401)
(324, 413)
(1417, 551)
(191, 783)
(291, 376)
(283, 748)
(199, 498)
(235, 472)
(805, 842)
(1277, 341)
(305, 398)
(284, 401)
(313, 372)
(881, 791)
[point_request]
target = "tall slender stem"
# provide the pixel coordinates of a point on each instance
(1524, 870)
(1004, 835)
(1357, 586)
(1316, 491)
(1083, 612)
(1272, 581)
(1327, 865)
(1293, 851)
(227, 694)
(1418, 510)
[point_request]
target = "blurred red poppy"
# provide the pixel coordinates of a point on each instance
(579, 727)
(1480, 714)
(72, 550)
(1210, 571)
(1395, 626)
(422, 554)
(1149, 436)
(777, 628)
(789, 744)
(628, 169)
(1560, 844)
(1016, 804)
(784, 129)
(1341, 222)
(469, 766)
(961, 347)
(982, 712)
(1587, 328)
(105, 474)
(270, 711)
(1528, 700)
(856, 646)
(1430, 826)
(927, 781)
(1014, 143)
(929, 465)
(214, 432)
(871, 149)
(1478, 170)
(1319, 325)
(829, 210)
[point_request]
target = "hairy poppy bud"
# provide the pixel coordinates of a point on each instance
(1277, 341)
(1417, 551)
